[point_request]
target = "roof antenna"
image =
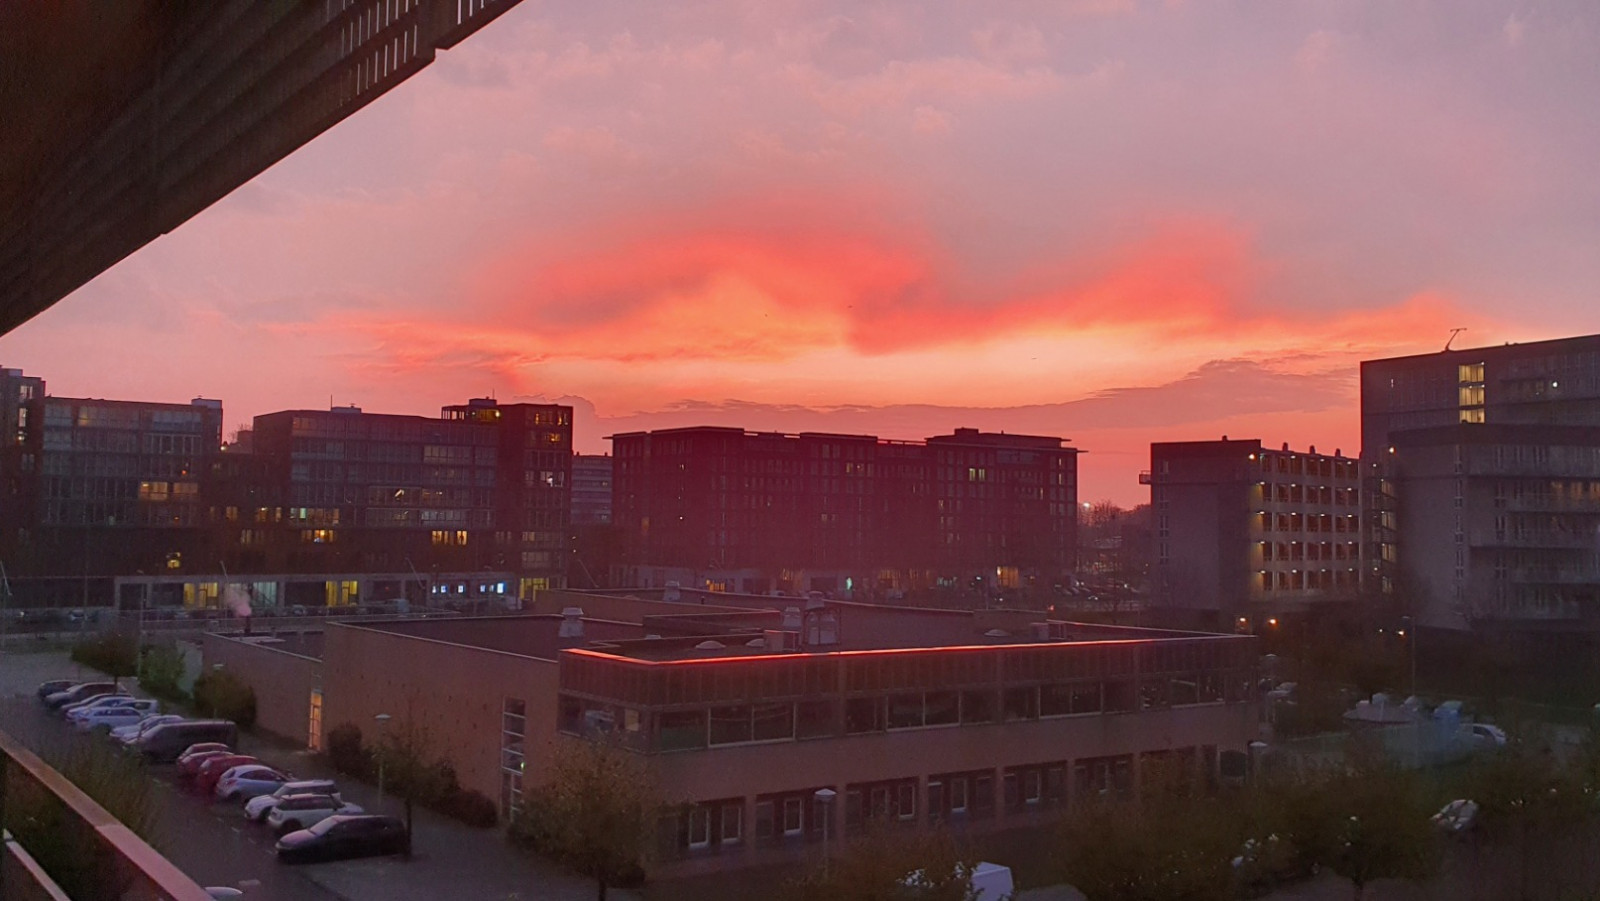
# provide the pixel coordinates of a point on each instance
(1453, 333)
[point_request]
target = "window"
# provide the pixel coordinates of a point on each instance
(699, 827)
(1022, 703)
(730, 725)
(682, 730)
(905, 711)
(732, 823)
(793, 816)
(766, 820)
(906, 801)
(958, 795)
(816, 719)
(773, 721)
(942, 708)
(977, 707)
(864, 715)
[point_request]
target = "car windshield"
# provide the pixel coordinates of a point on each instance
(308, 802)
(325, 826)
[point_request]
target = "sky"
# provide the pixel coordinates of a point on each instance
(1116, 221)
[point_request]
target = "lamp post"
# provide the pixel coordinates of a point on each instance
(382, 720)
(1410, 633)
(825, 797)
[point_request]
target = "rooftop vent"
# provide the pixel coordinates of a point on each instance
(709, 645)
(791, 619)
(571, 622)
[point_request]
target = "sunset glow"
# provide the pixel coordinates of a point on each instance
(1113, 221)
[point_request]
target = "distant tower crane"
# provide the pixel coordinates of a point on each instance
(1453, 333)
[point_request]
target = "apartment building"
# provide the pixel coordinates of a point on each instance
(1245, 533)
(1482, 472)
(853, 515)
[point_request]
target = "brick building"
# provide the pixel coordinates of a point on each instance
(849, 514)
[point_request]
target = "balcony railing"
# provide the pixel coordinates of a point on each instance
(91, 853)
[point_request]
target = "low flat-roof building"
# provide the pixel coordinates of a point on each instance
(743, 707)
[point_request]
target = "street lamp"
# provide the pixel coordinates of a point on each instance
(383, 720)
(1410, 634)
(825, 797)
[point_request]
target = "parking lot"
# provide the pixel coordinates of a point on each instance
(214, 844)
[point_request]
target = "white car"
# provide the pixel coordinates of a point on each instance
(242, 783)
(130, 733)
(298, 812)
(257, 808)
(80, 711)
(120, 715)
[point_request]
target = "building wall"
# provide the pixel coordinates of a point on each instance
(455, 694)
(282, 680)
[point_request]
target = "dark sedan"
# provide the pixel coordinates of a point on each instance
(46, 689)
(343, 837)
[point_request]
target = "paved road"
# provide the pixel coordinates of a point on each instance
(214, 844)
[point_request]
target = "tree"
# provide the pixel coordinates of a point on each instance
(1172, 844)
(1382, 816)
(889, 863)
(115, 654)
(401, 757)
(596, 813)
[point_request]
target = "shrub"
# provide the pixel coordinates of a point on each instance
(346, 753)
(221, 694)
(471, 807)
(161, 672)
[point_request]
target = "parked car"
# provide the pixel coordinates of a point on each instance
(1485, 735)
(108, 718)
(343, 837)
(304, 811)
(1456, 817)
(189, 764)
(163, 744)
(210, 772)
(257, 808)
(98, 702)
(130, 733)
(46, 689)
(245, 782)
(82, 691)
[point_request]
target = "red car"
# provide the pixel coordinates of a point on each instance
(212, 769)
(189, 764)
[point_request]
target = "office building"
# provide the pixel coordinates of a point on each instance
(1482, 486)
(1245, 533)
(96, 487)
(742, 709)
(483, 487)
(853, 515)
